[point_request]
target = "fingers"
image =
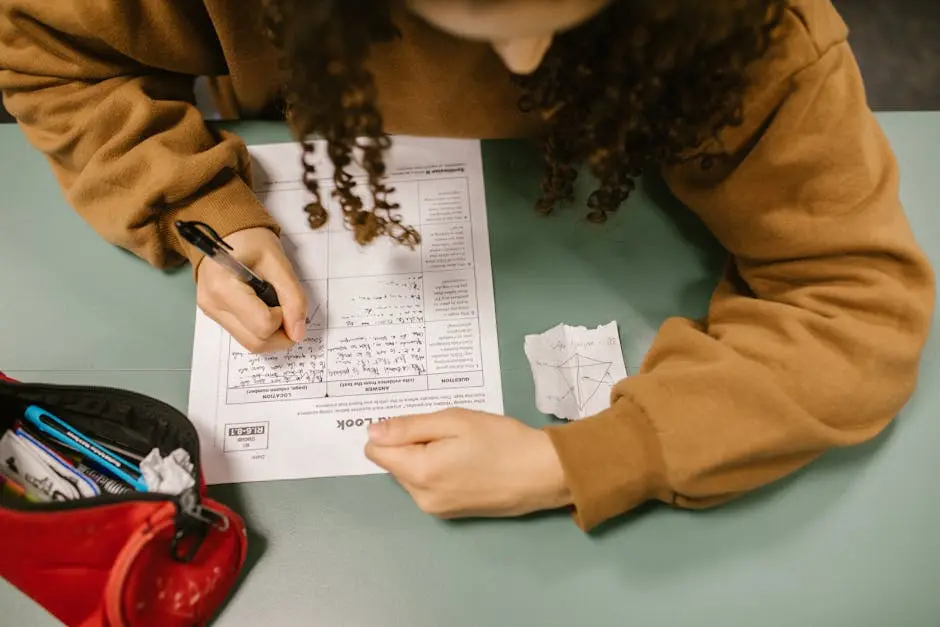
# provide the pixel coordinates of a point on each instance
(417, 429)
(240, 301)
(278, 341)
(278, 271)
(409, 465)
(398, 460)
(237, 308)
(414, 469)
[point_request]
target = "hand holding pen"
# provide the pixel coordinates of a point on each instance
(248, 286)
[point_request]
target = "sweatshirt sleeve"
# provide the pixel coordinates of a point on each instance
(814, 335)
(104, 89)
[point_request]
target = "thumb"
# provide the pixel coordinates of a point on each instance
(290, 294)
(418, 429)
(398, 460)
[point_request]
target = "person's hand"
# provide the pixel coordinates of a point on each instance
(458, 463)
(237, 308)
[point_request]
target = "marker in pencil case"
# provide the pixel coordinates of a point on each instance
(66, 470)
(116, 448)
(68, 454)
(43, 475)
(73, 458)
(8, 486)
(64, 433)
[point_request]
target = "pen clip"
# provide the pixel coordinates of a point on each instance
(212, 234)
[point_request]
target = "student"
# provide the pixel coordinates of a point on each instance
(753, 110)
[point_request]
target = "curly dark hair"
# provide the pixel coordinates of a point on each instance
(644, 83)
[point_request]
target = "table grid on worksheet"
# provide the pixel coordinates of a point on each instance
(253, 378)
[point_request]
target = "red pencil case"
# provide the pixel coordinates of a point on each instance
(135, 559)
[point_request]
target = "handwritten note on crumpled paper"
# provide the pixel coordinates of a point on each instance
(574, 369)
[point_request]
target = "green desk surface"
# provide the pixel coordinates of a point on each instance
(851, 541)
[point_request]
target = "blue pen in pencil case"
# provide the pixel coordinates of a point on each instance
(68, 436)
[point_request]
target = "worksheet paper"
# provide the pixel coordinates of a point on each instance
(390, 331)
(574, 369)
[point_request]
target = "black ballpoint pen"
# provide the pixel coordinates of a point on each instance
(216, 249)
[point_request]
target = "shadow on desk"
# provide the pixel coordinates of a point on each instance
(652, 246)
(232, 496)
(658, 542)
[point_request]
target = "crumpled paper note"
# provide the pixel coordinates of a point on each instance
(168, 475)
(574, 369)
